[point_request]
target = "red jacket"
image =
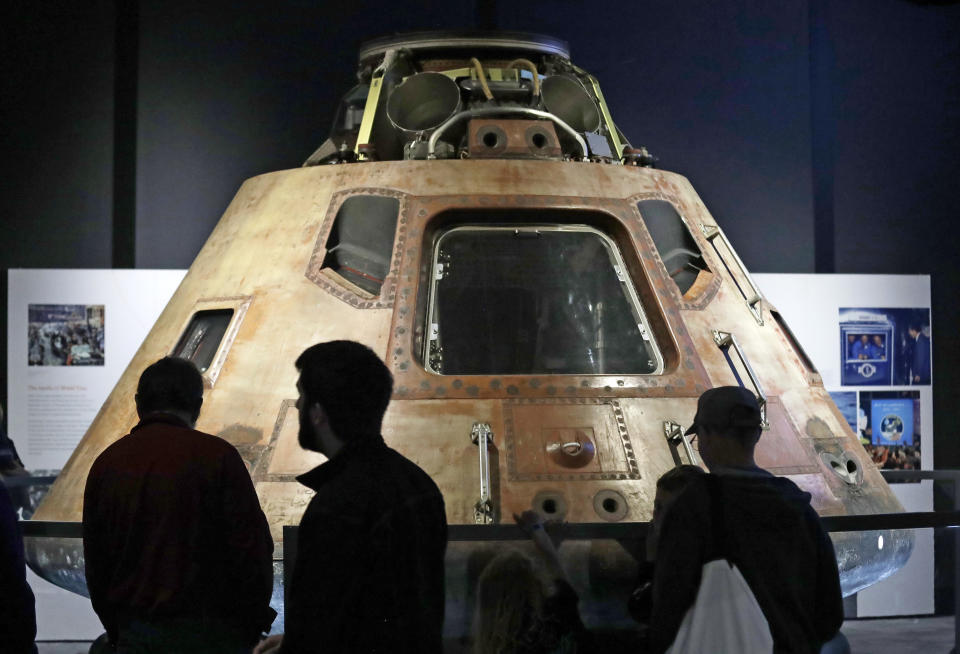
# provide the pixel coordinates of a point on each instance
(172, 527)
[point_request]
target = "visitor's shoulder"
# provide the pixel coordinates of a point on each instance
(694, 500)
(788, 493)
(412, 470)
(198, 441)
(174, 441)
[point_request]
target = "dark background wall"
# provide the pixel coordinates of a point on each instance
(823, 135)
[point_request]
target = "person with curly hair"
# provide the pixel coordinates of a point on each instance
(526, 606)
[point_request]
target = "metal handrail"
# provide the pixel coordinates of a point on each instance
(724, 340)
(591, 530)
(755, 303)
(18, 481)
(481, 435)
(674, 432)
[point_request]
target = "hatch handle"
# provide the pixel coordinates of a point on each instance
(572, 448)
(481, 435)
(724, 341)
(755, 301)
(674, 432)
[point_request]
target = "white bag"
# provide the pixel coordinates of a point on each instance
(725, 618)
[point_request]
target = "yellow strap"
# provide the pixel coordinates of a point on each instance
(369, 112)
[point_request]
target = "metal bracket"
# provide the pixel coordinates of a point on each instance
(500, 111)
(481, 435)
(369, 111)
(754, 301)
(724, 340)
(674, 433)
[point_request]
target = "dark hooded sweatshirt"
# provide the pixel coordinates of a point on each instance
(774, 538)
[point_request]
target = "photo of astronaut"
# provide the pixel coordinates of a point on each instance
(65, 335)
(885, 347)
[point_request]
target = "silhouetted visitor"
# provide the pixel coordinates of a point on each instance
(369, 574)
(669, 487)
(11, 467)
(178, 552)
(771, 533)
(18, 620)
(10, 462)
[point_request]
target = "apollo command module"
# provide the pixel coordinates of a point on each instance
(550, 306)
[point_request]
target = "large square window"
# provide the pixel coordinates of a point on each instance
(536, 299)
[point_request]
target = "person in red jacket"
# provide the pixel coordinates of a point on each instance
(178, 553)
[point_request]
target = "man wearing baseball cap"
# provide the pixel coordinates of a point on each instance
(771, 532)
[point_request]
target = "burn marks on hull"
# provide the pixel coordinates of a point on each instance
(247, 441)
(284, 459)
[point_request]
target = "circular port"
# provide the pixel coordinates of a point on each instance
(610, 505)
(550, 504)
(844, 466)
(490, 139)
(539, 140)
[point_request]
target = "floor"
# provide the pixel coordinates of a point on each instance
(869, 636)
(901, 635)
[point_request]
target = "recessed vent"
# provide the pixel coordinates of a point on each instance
(610, 505)
(550, 504)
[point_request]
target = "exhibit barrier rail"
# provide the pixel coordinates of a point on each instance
(627, 533)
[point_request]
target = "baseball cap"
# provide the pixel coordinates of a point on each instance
(726, 406)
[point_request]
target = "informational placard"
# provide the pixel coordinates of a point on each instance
(70, 335)
(869, 337)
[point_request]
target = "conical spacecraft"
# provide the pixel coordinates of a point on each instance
(550, 305)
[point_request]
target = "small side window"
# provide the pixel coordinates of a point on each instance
(677, 248)
(202, 337)
(360, 244)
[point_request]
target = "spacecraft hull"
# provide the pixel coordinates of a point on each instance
(267, 264)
